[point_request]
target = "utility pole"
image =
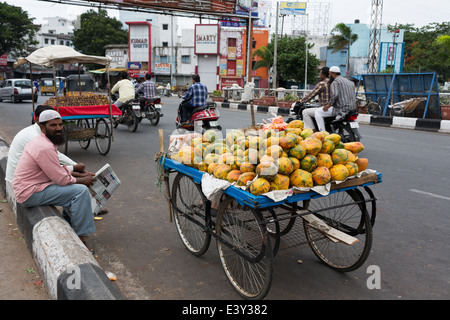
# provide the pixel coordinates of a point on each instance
(275, 50)
(374, 38)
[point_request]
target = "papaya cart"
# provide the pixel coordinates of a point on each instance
(335, 220)
(86, 117)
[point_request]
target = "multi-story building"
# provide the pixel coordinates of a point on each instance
(391, 51)
(57, 31)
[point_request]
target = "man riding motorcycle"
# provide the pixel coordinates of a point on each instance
(322, 89)
(147, 88)
(195, 97)
(125, 88)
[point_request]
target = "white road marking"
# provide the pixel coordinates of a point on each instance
(430, 194)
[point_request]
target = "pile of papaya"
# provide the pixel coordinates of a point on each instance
(278, 159)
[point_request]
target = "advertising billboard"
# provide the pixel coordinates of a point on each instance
(206, 39)
(294, 8)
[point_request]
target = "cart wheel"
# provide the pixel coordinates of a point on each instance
(102, 136)
(189, 208)
(244, 249)
(154, 115)
(84, 123)
(346, 212)
(280, 220)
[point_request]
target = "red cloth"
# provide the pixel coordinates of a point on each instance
(88, 110)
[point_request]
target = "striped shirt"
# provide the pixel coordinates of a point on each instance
(342, 96)
(199, 93)
(322, 89)
(148, 88)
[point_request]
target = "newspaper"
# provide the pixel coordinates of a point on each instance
(103, 188)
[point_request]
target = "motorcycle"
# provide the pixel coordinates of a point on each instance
(130, 115)
(205, 116)
(345, 126)
(151, 110)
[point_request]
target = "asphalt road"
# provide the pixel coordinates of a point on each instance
(136, 241)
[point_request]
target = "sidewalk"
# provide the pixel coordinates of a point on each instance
(19, 276)
(432, 125)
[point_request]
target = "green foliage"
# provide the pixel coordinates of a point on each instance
(427, 49)
(290, 59)
(217, 93)
(343, 40)
(98, 30)
(16, 29)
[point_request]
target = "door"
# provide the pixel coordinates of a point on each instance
(207, 70)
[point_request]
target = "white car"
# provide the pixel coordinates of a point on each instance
(17, 90)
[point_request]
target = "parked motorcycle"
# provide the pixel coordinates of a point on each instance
(130, 115)
(346, 126)
(204, 116)
(151, 110)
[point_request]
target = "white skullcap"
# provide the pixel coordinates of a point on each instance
(49, 115)
(335, 69)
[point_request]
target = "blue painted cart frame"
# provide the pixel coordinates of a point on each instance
(248, 228)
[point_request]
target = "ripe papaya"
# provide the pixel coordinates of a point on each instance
(355, 147)
(362, 164)
(321, 176)
(259, 186)
(285, 166)
(339, 172)
(280, 182)
(300, 178)
(308, 163)
(245, 177)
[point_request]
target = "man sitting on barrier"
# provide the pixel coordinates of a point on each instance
(20, 141)
(39, 179)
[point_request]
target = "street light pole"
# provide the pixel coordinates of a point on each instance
(275, 50)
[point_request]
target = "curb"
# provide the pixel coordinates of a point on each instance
(433, 125)
(69, 270)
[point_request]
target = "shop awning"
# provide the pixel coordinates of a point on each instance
(103, 70)
(50, 55)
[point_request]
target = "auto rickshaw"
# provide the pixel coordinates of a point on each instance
(47, 86)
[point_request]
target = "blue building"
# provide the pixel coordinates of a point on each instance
(359, 51)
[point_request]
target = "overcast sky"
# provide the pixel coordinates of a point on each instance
(417, 12)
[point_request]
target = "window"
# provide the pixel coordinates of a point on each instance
(52, 41)
(163, 59)
(165, 26)
(165, 44)
(185, 59)
(46, 41)
(61, 42)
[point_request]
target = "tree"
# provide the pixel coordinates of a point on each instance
(290, 59)
(96, 31)
(426, 49)
(16, 29)
(265, 57)
(343, 40)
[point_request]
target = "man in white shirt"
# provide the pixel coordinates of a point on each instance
(125, 88)
(19, 142)
(23, 137)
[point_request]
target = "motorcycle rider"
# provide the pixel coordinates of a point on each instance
(196, 95)
(322, 89)
(125, 88)
(148, 88)
(342, 98)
